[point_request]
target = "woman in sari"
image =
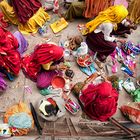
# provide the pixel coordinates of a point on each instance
(99, 38)
(134, 11)
(98, 101)
(87, 8)
(41, 65)
(10, 60)
(27, 14)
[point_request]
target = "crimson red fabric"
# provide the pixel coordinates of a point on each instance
(25, 9)
(42, 54)
(9, 56)
(48, 52)
(100, 101)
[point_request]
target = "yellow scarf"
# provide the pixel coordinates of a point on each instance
(114, 14)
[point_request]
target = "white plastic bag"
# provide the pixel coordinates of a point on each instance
(49, 5)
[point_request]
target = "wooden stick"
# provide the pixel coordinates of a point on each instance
(127, 130)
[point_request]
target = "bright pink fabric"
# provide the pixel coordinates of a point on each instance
(100, 101)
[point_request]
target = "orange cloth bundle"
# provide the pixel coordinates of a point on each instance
(18, 108)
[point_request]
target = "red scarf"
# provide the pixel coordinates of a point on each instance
(42, 54)
(100, 101)
(9, 56)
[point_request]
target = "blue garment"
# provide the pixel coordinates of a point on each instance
(20, 120)
(88, 70)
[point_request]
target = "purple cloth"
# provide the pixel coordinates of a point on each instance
(3, 84)
(44, 78)
(97, 43)
(23, 44)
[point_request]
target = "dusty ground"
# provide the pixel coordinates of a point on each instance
(16, 92)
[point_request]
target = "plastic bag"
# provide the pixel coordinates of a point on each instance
(4, 131)
(48, 4)
(128, 85)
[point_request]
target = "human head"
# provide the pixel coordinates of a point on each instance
(46, 53)
(105, 90)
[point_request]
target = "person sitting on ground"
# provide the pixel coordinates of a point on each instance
(99, 31)
(124, 29)
(86, 8)
(99, 101)
(134, 11)
(27, 14)
(10, 59)
(43, 64)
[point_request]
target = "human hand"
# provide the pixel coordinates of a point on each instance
(62, 66)
(120, 42)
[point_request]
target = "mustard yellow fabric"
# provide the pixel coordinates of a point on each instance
(32, 25)
(114, 14)
(47, 66)
(134, 11)
(8, 12)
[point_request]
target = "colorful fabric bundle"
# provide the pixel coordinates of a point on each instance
(100, 101)
(132, 112)
(42, 54)
(14, 110)
(9, 56)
